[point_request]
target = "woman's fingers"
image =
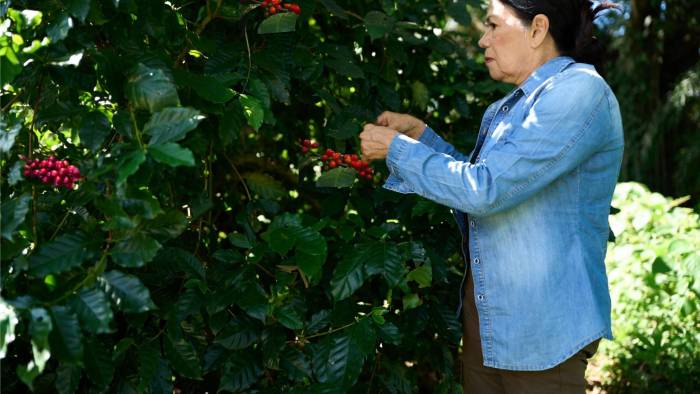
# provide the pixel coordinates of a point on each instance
(372, 151)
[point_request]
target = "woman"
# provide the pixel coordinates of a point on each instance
(532, 199)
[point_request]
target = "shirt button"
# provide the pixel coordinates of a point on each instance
(480, 297)
(471, 223)
(476, 260)
(505, 108)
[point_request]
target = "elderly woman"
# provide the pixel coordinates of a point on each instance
(531, 201)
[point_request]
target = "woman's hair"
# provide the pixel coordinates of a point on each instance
(570, 24)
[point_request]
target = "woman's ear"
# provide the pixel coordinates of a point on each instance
(538, 30)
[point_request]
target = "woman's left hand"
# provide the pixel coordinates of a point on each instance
(375, 141)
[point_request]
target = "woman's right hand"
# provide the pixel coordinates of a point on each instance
(403, 123)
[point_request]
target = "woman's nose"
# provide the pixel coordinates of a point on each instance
(482, 41)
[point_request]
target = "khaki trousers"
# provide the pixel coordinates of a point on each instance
(567, 377)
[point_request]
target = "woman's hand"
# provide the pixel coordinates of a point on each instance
(403, 123)
(375, 141)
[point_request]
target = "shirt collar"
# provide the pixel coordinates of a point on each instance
(544, 72)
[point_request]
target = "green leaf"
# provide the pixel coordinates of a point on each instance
(208, 87)
(348, 276)
(334, 8)
(279, 23)
(339, 358)
(67, 378)
(296, 364)
(94, 312)
(241, 372)
(457, 9)
(126, 291)
(282, 239)
(148, 355)
(151, 88)
(169, 224)
(340, 177)
(238, 335)
(8, 322)
(40, 327)
(98, 363)
(183, 259)
(311, 251)
(421, 96)
(289, 317)
(378, 24)
(253, 300)
(252, 110)
(172, 154)
(8, 70)
(59, 29)
(13, 214)
(66, 338)
(129, 164)
(411, 301)
(344, 66)
(8, 133)
(94, 128)
(660, 267)
(239, 240)
(183, 357)
(62, 254)
(78, 8)
(383, 258)
(172, 124)
(422, 275)
(343, 126)
(264, 185)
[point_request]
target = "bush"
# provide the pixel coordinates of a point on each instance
(654, 272)
(197, 252)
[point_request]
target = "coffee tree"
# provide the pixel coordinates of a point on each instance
(165, 225)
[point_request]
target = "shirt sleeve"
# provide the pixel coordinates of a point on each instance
(432, 140)
(564, 127)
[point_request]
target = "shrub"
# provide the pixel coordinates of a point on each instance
(654, 272)
(199, 250)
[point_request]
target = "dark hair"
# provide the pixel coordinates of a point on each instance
(570, 24)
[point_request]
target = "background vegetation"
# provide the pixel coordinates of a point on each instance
(202, 252)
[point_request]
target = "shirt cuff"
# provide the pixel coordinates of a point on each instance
(394, 157)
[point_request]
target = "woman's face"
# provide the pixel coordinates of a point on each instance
(507, 52)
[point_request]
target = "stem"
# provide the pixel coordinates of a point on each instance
(12, 101)
(247, 192)
(99, 268)
(137, 131)
(334, 330)
(200, 28)
(60, 225)
(35, 109)
(250, 64)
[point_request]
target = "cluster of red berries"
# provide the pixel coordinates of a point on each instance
(272, 7)
(51, 171)
(332, 159)
(307, 145)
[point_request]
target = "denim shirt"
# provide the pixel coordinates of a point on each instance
(533, 207)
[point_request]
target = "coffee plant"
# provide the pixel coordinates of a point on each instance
(186, 242)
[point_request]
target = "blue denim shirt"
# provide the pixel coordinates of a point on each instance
(534, 208)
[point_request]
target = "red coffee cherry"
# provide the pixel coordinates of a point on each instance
(51, 171)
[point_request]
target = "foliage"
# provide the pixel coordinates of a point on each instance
(653, 65)
(654, 272)
(198, 253)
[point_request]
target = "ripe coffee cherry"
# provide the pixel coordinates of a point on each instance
(51, 171)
